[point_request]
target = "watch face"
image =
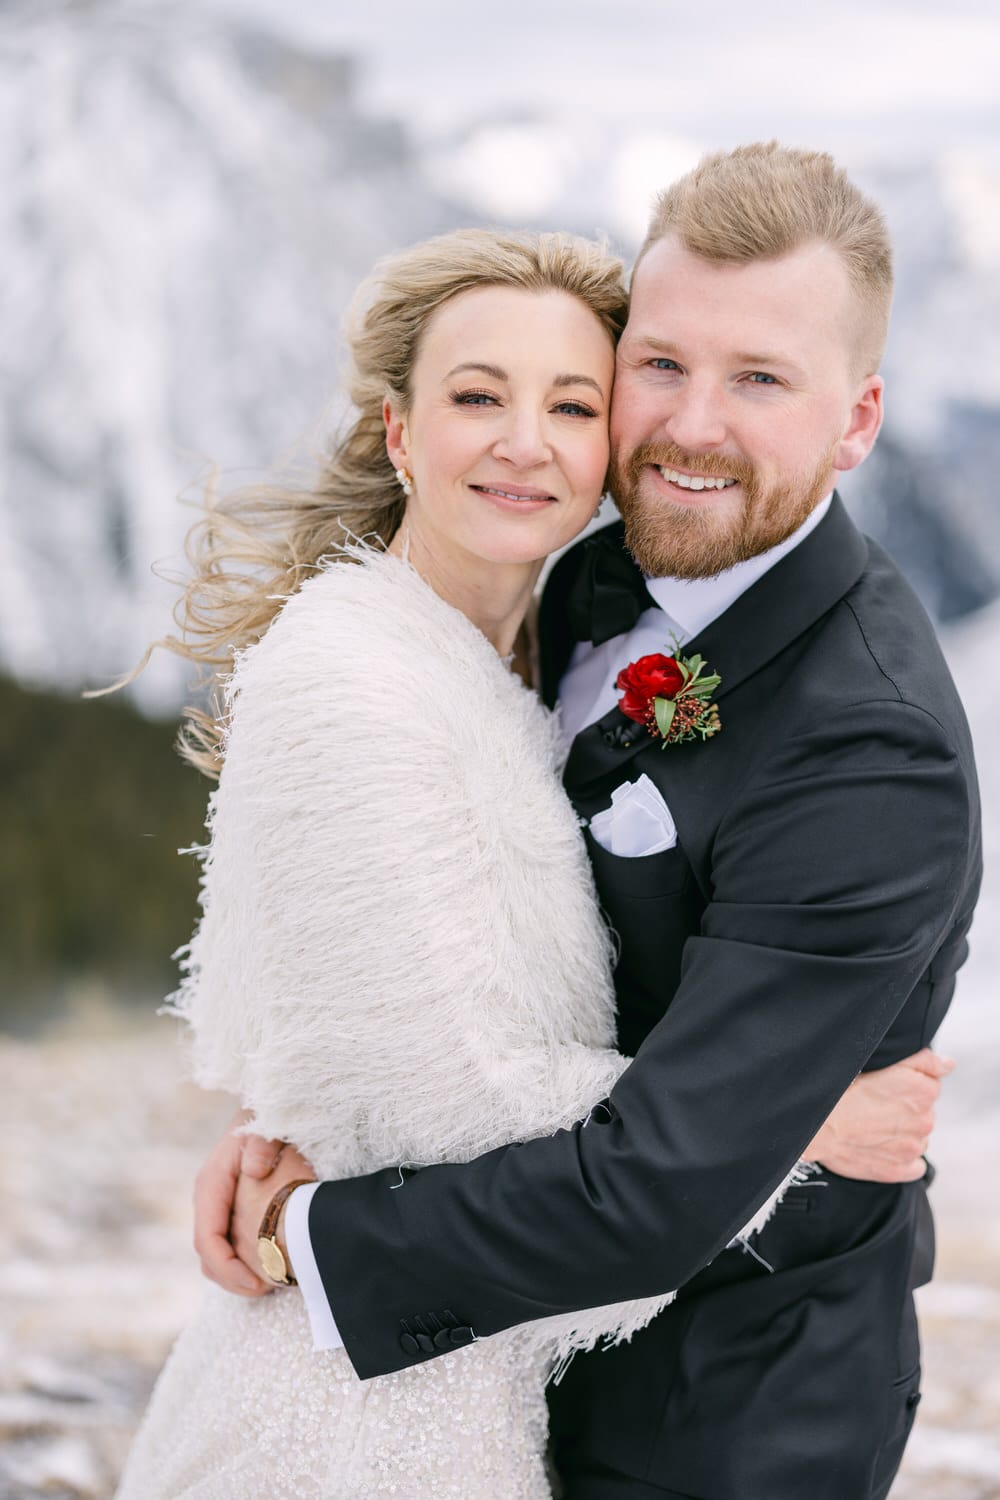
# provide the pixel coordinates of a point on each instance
(272, 1261)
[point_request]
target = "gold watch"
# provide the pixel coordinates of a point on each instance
(269, 1253)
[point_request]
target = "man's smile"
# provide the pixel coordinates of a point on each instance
(696, 481)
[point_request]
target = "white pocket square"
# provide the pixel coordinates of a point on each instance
(638, 822)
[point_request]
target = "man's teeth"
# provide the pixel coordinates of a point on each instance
(695, 481)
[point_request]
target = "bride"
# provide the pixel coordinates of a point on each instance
(400, 958)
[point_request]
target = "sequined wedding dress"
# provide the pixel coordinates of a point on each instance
(400, 960)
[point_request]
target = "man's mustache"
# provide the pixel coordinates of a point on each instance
(712, 465)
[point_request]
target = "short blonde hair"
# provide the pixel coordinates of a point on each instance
(762, 201)
(253, 548)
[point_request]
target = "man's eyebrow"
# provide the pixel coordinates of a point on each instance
(497, 374)
(768, 359)
(662, 346)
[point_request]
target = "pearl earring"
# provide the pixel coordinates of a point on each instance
(405, 482)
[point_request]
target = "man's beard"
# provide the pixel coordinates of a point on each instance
(669, 539)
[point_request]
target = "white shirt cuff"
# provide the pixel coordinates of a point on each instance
(306, 1271)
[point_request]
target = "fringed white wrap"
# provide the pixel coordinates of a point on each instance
(400, 957)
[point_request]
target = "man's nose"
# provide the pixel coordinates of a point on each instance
(696, 419)
(523, 441)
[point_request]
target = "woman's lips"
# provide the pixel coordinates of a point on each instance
(515, 496)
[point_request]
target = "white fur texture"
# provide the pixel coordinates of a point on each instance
(401, 958)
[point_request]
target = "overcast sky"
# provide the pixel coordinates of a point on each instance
(903, 74)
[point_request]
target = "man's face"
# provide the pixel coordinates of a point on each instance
(739, 376)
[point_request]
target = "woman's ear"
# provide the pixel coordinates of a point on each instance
(397, 437)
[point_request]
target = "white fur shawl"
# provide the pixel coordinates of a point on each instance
(400, 957)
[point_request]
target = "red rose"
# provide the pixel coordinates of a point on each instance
(643, 680)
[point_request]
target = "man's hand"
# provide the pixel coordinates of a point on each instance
(880, 1129)
(214, 1192)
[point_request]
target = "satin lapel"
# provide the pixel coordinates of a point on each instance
(602, 747)
(797, 592)
(555, 638)
(791, 597)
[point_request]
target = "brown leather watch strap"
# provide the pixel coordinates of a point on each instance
(272, 1259)
(272, 1212)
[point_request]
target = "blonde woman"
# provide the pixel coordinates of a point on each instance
(400, 959)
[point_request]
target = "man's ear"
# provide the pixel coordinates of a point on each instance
(862, 427)
(397, 437)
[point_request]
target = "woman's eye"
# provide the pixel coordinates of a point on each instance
(664, 364)
(576, 409)
(473, 398)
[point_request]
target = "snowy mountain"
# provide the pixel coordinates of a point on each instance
(187, 209)
(189, 203)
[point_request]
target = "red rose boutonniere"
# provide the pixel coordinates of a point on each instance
(672, 696)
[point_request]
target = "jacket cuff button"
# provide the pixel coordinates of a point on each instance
(408, 1344)
(460, 1336)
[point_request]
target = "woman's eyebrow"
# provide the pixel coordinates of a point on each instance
(561, 380)
(497, 374)
(493, 370)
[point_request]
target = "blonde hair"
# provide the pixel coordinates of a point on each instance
(762, 201)
(253, 548)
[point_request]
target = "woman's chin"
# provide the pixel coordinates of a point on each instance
(528, 540)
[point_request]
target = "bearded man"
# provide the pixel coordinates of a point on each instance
(790, 862)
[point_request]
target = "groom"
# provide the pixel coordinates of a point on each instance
(792, 896)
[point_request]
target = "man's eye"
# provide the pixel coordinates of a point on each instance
(758, 377)
(664, 364)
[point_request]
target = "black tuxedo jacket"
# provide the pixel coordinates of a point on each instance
(809, 923)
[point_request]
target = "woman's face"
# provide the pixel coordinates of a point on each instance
(506, 438)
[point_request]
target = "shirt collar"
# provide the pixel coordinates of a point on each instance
(693, 603)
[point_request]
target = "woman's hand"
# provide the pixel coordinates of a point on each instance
(252, 1196)
(880, 1130)
(214, 1194)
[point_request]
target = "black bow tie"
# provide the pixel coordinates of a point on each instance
(608, 593)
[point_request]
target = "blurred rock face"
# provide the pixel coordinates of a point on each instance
(187, 208)
(186, 213)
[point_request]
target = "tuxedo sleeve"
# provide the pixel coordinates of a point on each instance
(838, 873)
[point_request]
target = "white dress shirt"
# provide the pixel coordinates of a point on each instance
(682, 609)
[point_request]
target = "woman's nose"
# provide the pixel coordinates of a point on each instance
(523, 440)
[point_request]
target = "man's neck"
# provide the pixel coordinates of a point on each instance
(695, 602)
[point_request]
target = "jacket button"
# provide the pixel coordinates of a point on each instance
(460, 1336)
(442, 1339)
(409, 1344)
(425, 1342)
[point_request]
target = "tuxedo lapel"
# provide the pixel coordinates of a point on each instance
(787, 601)
(555, 637)
(596, 583)
(604, 747)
